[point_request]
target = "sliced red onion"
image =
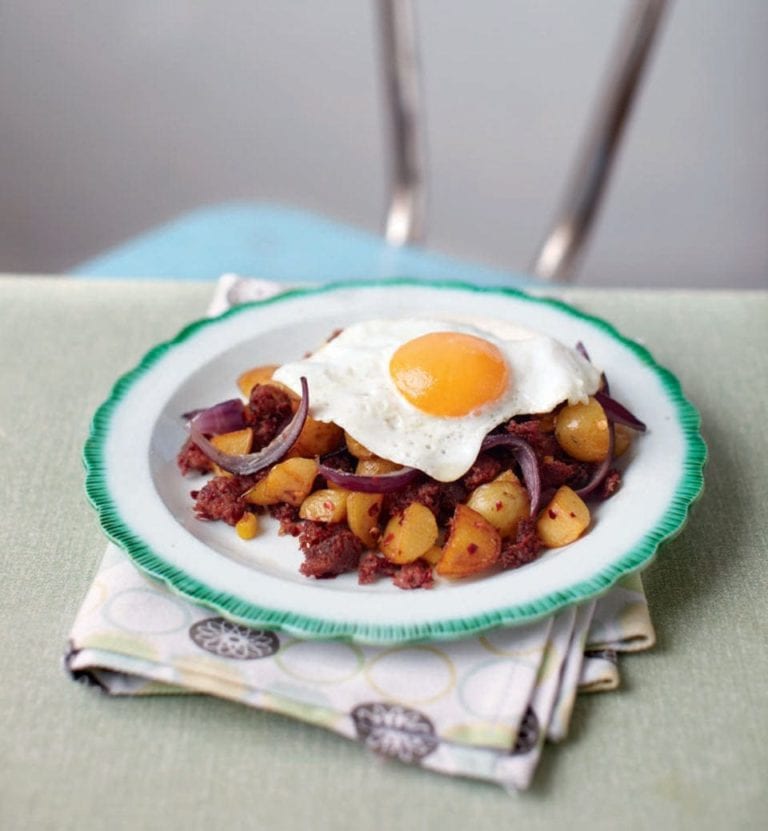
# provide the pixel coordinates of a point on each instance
(582, 350)
(618, 412)
(220, 418)
(383, 483)
(600, 472)
(250, 463)
(525, 457)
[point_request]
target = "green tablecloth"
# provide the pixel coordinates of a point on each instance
(684, 744)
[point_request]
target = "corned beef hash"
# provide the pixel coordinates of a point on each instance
(413, 447)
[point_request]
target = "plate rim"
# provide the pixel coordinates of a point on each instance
(687, 490)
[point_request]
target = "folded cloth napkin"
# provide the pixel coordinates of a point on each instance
(479, 707)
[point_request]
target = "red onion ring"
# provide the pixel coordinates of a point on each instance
(615, 412)
(619, 413)
(250, 463)
(582, 350)
(220, 418)
(383, 483)
(525, 457)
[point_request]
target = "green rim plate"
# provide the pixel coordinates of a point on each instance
(132, 482)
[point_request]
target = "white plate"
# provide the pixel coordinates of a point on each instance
(145, 507)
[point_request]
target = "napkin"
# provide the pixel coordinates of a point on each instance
(479, 707)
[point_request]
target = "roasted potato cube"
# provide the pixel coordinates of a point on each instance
(324, 505)
(503, 502)
(473, 545)
(288, 481)
(359, 451)
(582, 431)
(237, 443)
(363, 511)
(409, 535)
(564, 520)
(317, 438)
(375, 467)
(259, 494)
(508, 476)
(433, 555)
(258, 375)
(622, 439)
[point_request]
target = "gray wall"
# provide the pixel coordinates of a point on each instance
(115, 116)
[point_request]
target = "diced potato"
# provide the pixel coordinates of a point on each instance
(508, 476)
(622, 438)
(582, 431)
(324, 505)
(258, 375)
(433, 555)
(564, 520)
(409, 535)
(317, 438)
(363, 511)
(237, 443)
(473, 545)
(248, 526)
(257, 495)
(359, 451)
(502, 502)
(375, 467)
(288, 481)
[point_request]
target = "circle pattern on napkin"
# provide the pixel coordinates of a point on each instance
(233, 640)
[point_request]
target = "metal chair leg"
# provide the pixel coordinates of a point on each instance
(561, 247)
(407, 208)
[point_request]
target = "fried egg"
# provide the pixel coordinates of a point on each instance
(424, 393)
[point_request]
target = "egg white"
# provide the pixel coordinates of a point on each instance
(350, 385)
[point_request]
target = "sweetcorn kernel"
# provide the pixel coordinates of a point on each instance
(247, 527)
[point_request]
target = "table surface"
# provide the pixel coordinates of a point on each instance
(681, 745)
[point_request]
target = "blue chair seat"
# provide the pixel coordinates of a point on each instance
(276, 243)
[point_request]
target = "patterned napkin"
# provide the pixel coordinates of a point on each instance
(479, 707)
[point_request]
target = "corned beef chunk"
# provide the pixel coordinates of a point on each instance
(415, 575)
(372, 566)
(524, 548)
(341, 460)
(221, 498)
(610, 484)
(556, 468)
(440, 497)
(426, 491)
(556, 472)
(329, 549)
(268, 411)
(191, 458)
(485, 468)
(534, 431)
(288, 517)
(451, 493)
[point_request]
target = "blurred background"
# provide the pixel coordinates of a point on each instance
(118, 116)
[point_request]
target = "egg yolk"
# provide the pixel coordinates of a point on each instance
(449, 373)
